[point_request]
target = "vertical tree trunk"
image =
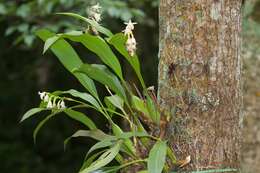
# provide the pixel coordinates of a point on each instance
(199, 80)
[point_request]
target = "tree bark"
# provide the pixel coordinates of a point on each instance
(199, 80)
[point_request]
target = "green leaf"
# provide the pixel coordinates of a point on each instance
(81, 118)
(110, 106)
(104, 159)
(157, 157)
(110, 141)
(71, 33)
(40, 125)
(128, 146)
(28, 39)
(31, 112)
(115, 169)
(85, 96)
(69, 58)
(152, 109)
(171, 155)
(23, 10)
(93, 23)
(88, 162)
(140, 105)
(116, 101)
(95, 134)
(101, 144)
(101, 74)
(118, 41)
(126, 135)
(97, 45)
(3, 9)
(10, 30)
(49, 42)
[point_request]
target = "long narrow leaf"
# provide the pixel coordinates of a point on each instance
(116, 168)
(101, 74)
(153, 110)
(97, 45)
(85, 96)
(40, 125)
(104, 159)
(108, 142)
(118, 41)
(49, 42)
(87, 162)
(31, 112)
(128, 145)
(99, 145)
(126, 135)
(95, 134)
(116, 101)
(140, 105)
(171, 155)
(157, 157)
(81, 118)
(69, 58)
(94, 24)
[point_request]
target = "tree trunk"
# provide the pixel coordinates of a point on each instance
(199, 80)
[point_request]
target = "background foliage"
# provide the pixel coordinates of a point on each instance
(251, 60)
(24, 71)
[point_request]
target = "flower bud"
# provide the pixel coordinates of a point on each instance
(130, 42)
(49, 105)
(46, 98)
(62, 105)
(42, 95)
(129, 28)
(95, 13)
(131, 45)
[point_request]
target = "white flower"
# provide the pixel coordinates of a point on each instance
(46, 98)
(42, 95)
(49, 105)
(96, 7)
(129, 28)
(131, 45)
(95, 13)
(62, 105)
(131, 42)
(59, 104)
(97, 17)
(150, 88)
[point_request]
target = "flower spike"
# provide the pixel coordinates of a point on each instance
(131, 42)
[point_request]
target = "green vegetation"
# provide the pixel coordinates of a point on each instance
(24, 71)
(25, 17)
(122, 100)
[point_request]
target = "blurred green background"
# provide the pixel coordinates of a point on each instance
(24, 71)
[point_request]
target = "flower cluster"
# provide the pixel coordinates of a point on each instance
(95, 13)
(131, 42)
(52, 101)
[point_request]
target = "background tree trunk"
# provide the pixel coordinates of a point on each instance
(199, 80)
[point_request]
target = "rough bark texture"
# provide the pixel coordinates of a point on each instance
(199, 80)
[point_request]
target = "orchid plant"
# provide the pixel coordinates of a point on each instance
(141, 145)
